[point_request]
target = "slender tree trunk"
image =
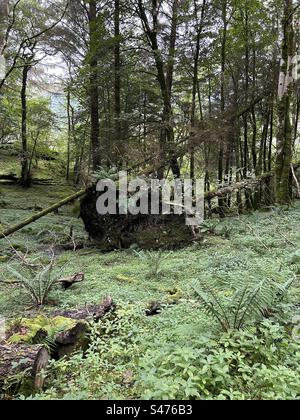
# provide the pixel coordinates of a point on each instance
(25, 175)
(285, 95)
(166, 143)
(117, 89)
(223, 64)
(4, 12)
(69, 133)
(196, 87)
(94, 93)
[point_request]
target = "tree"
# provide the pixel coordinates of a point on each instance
(94, 94)
(165, 79)
(287, 78)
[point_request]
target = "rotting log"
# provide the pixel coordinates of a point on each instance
(72, 340)
(13, 178)
(76, 338)
(95, 312)
(22, 364)
(68, 282)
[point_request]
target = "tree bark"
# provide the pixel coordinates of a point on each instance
(285, 94)
(117, 64)
(94, 93)
(4, 12)
(25, 362)
(25, 175)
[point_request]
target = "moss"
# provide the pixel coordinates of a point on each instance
(125, 279)
(27, 329)
(175, 295)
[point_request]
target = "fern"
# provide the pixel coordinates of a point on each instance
(153, 260)
(38, 285)
(248, 302)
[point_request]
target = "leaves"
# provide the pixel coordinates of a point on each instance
(247, 304)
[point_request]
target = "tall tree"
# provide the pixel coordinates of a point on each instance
(165, 79)
(117, 76)
(287, 78)
(94, 92)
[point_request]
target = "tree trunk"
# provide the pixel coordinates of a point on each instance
(25, 175)
(285, 94)
(196, 87)
(94, 93)
(4, 12)
(166, 142)
(25, 363)
(223, 64)
(69, 133)
(117, 127)
(16, 228)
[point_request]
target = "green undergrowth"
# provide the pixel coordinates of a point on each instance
(179, 352)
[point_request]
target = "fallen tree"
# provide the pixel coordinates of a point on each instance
(41, 214)
(251, 183)
(13, 178)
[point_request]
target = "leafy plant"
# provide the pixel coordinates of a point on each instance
(240, 365)
(247, 302)
(153, 260)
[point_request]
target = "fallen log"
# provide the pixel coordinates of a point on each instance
(72, 340)
(41, 214)
(37, 181)
(22, 364)
(64, 333)
(9, 177)
(95, 312)
(251, 183)
(68, 282)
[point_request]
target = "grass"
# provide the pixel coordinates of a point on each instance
(255, 246)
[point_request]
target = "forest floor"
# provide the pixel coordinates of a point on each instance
(132, 347)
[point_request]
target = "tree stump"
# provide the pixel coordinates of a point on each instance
(23, 364)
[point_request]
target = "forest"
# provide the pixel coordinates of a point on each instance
(150, 201)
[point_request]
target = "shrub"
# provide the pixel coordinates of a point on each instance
(256, 364)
